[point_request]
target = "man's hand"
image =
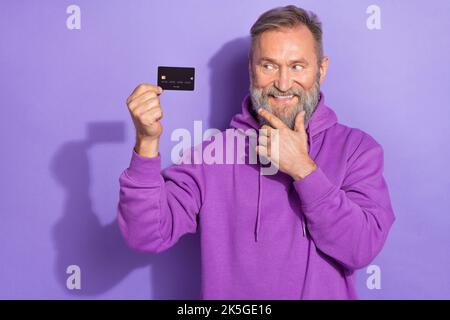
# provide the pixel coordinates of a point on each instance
(292, 155)
(146, 113)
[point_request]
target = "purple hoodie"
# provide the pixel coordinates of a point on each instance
(267, 236)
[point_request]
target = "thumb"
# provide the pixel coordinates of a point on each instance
(300, 122)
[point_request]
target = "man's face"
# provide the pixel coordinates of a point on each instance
(284, 74)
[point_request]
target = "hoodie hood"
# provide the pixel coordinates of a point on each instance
(322, 118)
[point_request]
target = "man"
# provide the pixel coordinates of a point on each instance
(297, 234)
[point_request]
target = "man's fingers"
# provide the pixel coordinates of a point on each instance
(142, 88)
(151, 116)
(144, 107)
(263, 151)
(271, 118)
(155, 114)
(265, 130)
(142, 99)
(300, 122)
(263, 141)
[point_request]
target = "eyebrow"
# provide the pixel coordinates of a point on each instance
(301, 60)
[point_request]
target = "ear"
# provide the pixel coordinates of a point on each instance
(323, 69)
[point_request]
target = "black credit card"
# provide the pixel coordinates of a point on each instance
(176, 78)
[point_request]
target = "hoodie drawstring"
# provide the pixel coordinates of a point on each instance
(302, 217)
(258, 210)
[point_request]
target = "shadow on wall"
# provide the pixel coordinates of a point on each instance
(99, 250)
(229, 81)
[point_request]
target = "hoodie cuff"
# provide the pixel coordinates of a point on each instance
(313, 188)
(143, 169)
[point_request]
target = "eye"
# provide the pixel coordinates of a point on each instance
(268, 66)
(298, 67)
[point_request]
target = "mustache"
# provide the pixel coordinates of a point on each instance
(275, 92)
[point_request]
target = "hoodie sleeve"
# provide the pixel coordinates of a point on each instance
(157, 207)
(349, 223)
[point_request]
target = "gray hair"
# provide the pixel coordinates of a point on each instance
(288, 16)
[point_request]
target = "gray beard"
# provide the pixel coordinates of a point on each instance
(307, 100)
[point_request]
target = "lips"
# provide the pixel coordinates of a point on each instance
(283, 98)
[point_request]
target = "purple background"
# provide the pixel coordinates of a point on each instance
(66, 134)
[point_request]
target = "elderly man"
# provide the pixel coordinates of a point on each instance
(297, 234)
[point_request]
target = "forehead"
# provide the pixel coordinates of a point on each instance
(286, 43)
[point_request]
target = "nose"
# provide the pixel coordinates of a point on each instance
(283, 82)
